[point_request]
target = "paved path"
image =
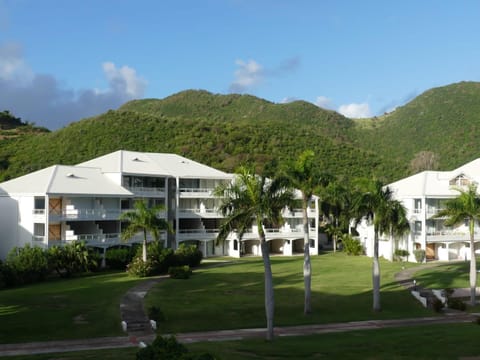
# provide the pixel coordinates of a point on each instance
(132, 312)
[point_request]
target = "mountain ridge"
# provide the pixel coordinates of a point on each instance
(225, 131)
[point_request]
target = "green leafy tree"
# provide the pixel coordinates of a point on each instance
(466, 206)
(146, 220)
(371, 202)
(254, 200)
(304, 175)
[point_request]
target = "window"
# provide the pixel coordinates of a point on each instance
(38, 229)
(39, 203)
(418, 227)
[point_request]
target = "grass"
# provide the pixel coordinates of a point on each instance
(64, 309)
(233, 295)
(448, 275)
(422, 342)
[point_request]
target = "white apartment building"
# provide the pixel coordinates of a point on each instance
(61, 203)
(423, 195)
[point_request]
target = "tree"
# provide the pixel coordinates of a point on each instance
(254, 200)
(146, 220)
(371, 202)
(304, 176)
(335, 205)
(465, 207)
(394, 221)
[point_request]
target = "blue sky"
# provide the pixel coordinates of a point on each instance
(63, 60)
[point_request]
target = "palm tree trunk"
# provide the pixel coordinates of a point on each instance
(269, 298)
(307, 264)
(473, 264)
(144, 246)
(376, 274)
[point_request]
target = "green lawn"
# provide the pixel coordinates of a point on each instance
(422, 342)
(64, 309)
(232, 296)
(447, 275)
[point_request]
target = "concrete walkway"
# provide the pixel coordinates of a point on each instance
(139, 330)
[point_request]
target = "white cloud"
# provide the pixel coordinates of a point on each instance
(39, 98)
(324, 102)
(124, 79)
(248, 74)
(355, 110)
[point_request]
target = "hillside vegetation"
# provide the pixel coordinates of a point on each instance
(225, 131)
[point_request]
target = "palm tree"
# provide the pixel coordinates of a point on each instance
(335, 205)
(254, 200)
(371, 202)
(394, 220)
(303, 175)
(146, 220)
(465, 206)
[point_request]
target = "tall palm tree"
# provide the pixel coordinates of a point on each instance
(465, 206)
(146, 220)
(371, 202)
(304, 176)
(254, 200)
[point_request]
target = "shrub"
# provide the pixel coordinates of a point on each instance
(154, 313)
(400, 254)
(457, 304)
(140, 268)
(162, 348)
(168, 348)
(188, 255)
(351, 246)
(180, 272)
(419, 255)
(72, 258)
(119, 258)
(437, 305)
(26, 265)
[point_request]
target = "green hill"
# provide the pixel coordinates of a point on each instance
(444, 120)
(225, 131)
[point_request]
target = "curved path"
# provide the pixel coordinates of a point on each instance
(132, 311)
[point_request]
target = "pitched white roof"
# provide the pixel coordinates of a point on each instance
(434, 183)
(144, 163)
(68, 180)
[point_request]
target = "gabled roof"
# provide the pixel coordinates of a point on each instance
(144, 163)
(68, 180)
(435, 183)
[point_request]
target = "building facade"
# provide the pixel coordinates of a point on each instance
(423, 195)
(61, 203)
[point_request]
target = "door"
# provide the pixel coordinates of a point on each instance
(430, 252)
(54, 232)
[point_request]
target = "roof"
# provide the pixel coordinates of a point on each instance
(144, 163)
(435, 183)
(61, 179)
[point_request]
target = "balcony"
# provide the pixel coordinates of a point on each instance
(298, 213)
(85, 214)
(197, 234)
(196, 192)
(147, 191)
(111, 239)
(450, 235)
(199, 213)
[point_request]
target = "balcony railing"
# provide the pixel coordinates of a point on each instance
(86, 214)
(196, 192)
(142, 190)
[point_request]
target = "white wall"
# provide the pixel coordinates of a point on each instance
(8, 230)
